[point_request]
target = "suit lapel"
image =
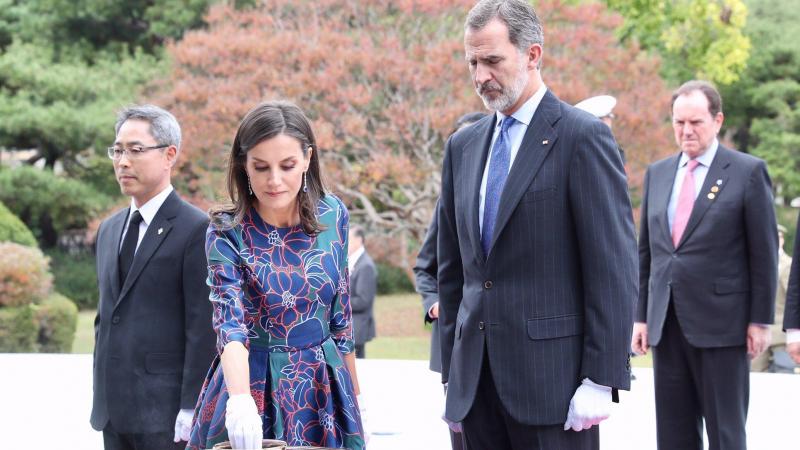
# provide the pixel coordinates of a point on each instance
(536, 145)
(475, 158)
(717, 176)
(157, 232)
(115, 231)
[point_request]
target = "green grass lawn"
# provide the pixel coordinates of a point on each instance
(400, 330)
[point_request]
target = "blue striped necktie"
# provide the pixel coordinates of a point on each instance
(498, 172)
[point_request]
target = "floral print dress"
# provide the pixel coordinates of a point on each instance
(284, 295)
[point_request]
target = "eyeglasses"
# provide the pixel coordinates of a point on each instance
(133, 152)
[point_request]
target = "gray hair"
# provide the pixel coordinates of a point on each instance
(524, 26)
(164, 126)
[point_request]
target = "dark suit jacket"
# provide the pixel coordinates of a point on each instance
(425, 271)
(553, 301)
(791, 314)
(363, 287)
(723, 273)
(153, 337)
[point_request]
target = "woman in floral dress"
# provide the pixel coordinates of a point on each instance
(277, 264)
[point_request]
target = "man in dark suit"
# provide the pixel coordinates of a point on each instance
(791, 314)
(534, 318)
(153, 336)
(708, 252)
(363, 287)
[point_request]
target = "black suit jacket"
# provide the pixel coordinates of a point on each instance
(153, 337)
(363, 287)
(425, 272)
(723, 273)
(553, 300)
(791, 313)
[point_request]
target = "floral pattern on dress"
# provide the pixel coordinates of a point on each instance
(284, 295)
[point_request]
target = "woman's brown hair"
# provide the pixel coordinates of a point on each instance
(263, 122)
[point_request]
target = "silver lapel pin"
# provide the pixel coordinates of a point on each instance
(545, 142)
(719, 182)
(160, 230)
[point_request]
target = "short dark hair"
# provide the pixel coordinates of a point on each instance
(524, 26)
(706, 88)
(359, 231)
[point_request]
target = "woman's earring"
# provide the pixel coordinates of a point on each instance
(305, 181)
(249, 188)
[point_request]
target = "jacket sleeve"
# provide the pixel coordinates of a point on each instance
(426, 267)
(761, 232)
(791, 315)
(644, 255)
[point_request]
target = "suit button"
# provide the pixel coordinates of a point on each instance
(115, 320)
(674, 256)
(487, 284)
(481, 325)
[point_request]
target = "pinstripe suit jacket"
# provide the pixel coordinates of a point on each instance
(553, 300)
(791, 313)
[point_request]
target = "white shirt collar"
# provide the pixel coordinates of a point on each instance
(149, 209)
(705, 159)
(353, 259)
(525, 112)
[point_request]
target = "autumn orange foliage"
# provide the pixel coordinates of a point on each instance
(383, 82)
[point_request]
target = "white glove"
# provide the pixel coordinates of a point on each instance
(243, 422)
(590, 405)
(183, 425)
(362, 409)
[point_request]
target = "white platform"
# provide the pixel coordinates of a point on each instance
(46, 399)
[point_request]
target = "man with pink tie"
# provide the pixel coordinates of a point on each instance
(708, 253)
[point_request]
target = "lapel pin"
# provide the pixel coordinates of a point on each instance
(719, 182)
(545, 142)
(714, 189)
(711, 196)
(160, 230)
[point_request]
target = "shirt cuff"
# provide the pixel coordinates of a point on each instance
(792, 335)
(762, 325)
(590, 383)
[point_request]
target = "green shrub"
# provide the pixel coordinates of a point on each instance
(24, 275)
(392, 280)
(75, 277)
(14, 230)
(57, 317)
(17, 329)
(47, 203)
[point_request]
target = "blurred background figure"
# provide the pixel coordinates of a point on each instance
(601, 106)
(363, 287)
(426, 284)
(775, 358)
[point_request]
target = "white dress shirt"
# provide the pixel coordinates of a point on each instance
(700, 173)
(353, 259)
(516, 133)
(148, 212)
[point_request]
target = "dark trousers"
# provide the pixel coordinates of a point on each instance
(113, 440)
(694, 383)
(456, 439)
(361, 351)
(488, 426)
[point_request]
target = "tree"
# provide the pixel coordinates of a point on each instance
(383, 82)
(696, 38)
(762, 109)
(67, 65)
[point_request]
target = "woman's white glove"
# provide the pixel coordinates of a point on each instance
(243, 422)
(183, 425)
(362, 409)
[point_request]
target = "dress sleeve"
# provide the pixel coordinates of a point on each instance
(341, 313)
(225, 283)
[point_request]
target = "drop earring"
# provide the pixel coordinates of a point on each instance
(249, 187)
(305, 182)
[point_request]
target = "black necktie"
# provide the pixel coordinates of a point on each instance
(129, 247)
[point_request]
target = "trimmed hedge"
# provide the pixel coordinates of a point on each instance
(58, 318)
(24, 275)
(75, 277)
(14, 230)
(392, 280)
(17, 329)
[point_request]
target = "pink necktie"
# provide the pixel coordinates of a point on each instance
(685, 203)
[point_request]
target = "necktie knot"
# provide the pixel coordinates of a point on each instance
(692, 164)
(506, 124)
